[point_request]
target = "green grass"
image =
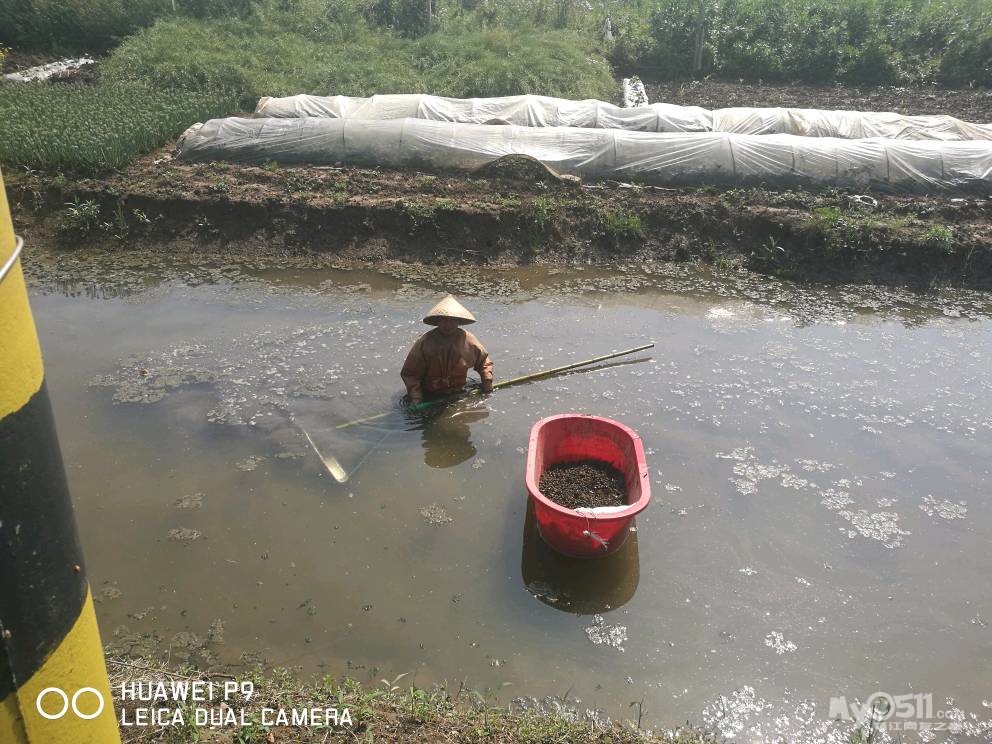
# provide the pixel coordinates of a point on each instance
(92, 127)
(821, 41)
(249, 60)
(844, 233)
(940, 237)
(246, 61)
(79, 219)
(500, 62)
(621, 223)
(96, 26)
(823, 219)
(543, 212)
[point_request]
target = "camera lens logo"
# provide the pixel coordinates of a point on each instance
(66, 704)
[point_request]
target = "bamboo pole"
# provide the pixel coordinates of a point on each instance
(424, 405)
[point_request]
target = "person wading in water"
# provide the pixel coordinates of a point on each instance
(439, 361)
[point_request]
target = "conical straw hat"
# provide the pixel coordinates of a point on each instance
(449, 307)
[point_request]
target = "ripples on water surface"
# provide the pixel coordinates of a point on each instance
(820, 464)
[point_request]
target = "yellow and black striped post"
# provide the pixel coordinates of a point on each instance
(53, 681)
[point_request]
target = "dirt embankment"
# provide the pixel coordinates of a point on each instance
(373, 215)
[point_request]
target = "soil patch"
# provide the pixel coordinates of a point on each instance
(522, 168)
(587, 483)
(15, 61)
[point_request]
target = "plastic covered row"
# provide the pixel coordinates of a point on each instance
(657, 158)
(543, 111)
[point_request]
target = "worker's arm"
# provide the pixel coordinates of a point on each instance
(413, 372)
(484, 366)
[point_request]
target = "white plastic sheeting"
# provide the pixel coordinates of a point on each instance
(44, 72)
(632, 92)
(709, 157)
(542, 111)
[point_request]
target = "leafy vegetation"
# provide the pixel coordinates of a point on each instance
(79, 219)
(854, 41)
(89, 127)
(212, 57)
(939, 236)
(820, 41)
(621, 223)
(251, 59)
(72, 26)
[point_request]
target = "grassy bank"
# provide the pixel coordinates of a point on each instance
(251, 59)
(395, 711)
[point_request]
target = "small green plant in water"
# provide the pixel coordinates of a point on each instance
(119, 228)
(79, 219)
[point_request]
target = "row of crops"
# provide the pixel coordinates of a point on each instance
(90, 127)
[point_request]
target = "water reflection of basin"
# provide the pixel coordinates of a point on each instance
(578, 585)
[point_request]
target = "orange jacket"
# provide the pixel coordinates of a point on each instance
(437, 365)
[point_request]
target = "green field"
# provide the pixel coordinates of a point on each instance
(211, 57)
(92, 127)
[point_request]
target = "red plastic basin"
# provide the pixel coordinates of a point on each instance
(571, 437)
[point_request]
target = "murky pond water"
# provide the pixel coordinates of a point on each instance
(821, 523)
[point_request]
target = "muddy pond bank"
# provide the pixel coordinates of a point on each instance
(368, 216)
